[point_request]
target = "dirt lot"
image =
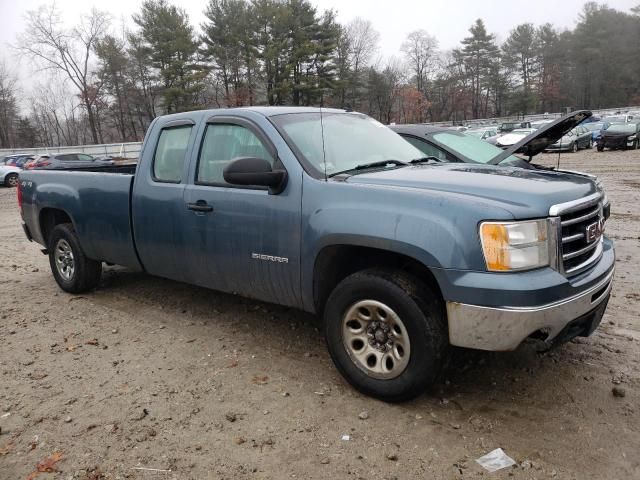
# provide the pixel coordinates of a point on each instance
(149, 373)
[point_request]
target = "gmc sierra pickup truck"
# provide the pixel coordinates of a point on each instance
(333, 213)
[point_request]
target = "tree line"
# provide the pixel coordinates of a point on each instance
(98, 86)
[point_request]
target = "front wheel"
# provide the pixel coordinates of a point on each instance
(386, 333)
(574, 147)
(11, 180)
(73, 271)
(600, 149)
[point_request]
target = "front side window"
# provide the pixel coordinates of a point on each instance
(224, 143)
(84, 157)
(168, 161)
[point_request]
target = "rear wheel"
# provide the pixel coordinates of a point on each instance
(73, 271)
(600, 149)
(11, 180)
(386, 333)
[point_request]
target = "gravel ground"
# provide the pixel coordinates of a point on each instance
(147, 373)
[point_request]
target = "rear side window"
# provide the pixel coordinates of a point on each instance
(171, 151)
(224, 143)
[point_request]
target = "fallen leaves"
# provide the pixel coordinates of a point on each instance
(93, 341)
(4, 450)
(38, 375)
(48, 465)
(260, 380)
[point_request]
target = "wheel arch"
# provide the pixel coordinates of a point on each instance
(335, 262)
(49, 218)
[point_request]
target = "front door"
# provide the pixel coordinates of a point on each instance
(242, 239)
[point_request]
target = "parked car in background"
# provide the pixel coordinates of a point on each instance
(513, 137)
(36, 161)
(540, 123)
(507, 127)
(443, 145)
(68, 160)
(596, 129)
(621, 118)
(9, 175)
(16, 159)
(579, 137)
(620, 135)
(483, 133)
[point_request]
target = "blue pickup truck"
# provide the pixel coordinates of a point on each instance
(333, 213)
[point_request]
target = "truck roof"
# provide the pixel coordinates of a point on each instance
(267, 111)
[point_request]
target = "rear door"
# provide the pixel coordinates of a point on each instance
(241, 239)
(158, 208)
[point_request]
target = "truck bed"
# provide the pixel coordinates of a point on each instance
(98, 202)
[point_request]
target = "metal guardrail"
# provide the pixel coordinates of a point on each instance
(124, 150)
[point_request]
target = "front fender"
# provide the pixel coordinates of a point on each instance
(436, 229)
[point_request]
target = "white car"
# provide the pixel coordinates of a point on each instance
(9, 175)
(514, 137)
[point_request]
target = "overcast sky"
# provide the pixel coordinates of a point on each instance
(448, 21)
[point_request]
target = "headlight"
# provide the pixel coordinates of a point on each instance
(631, 137)
(515, 245)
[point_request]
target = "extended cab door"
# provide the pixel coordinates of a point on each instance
(241, 239)
(157, 205)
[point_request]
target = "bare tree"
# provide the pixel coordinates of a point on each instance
(69, 51)
(420, 49)
(8, 107)
(363, 41)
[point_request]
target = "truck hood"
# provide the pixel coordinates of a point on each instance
(524, 193)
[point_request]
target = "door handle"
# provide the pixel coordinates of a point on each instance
(200, 206)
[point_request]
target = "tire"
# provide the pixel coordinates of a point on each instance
(11, 180)
(72, 270)
(411, 349)
(574, 147)
(600, 149)
(590, 144)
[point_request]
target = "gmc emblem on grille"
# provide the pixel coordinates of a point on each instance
(594, 231)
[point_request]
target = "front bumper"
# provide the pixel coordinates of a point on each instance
(504, 328)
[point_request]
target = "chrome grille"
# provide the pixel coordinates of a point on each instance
(578, 250)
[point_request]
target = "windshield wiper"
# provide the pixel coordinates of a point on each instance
(367, 166)
(429, 158)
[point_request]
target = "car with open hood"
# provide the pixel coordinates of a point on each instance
(450, 146)
(401, 254)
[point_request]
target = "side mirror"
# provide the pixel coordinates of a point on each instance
(255, 172)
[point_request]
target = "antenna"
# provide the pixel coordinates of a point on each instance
(324, 153)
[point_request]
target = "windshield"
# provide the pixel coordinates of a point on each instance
(622, 128)
(594, 126)
(350, 139)
(469, 147)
